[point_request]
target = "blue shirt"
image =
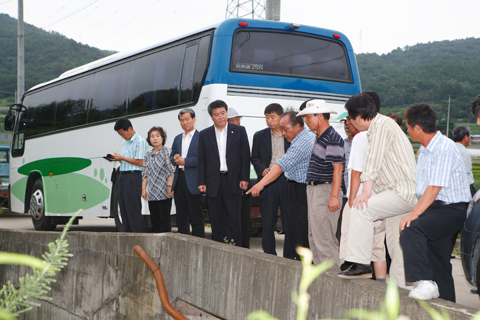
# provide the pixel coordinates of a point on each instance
(440, 165)
(135, 148)
(294, 162)
(328, 149)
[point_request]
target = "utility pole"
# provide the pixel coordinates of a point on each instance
(272, 10)
(448, 114)
(20, 54)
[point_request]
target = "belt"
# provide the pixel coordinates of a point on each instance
(134, 171)
(314, 183)
(291, 181)
(181, 169)
(223, 173)
(442, 203)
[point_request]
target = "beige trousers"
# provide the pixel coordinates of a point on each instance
(384, 205)
(322, 225)
(378, 246)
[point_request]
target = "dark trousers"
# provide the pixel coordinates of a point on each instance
(427, 245)
(189, 208)
(129, 195)
(246, 205)
(297, 215)
(160, 215)
(225, 212)
(273, 196)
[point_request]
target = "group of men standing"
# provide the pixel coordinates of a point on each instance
(420, 206)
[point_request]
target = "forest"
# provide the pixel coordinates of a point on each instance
(429, 72)
(47, 55)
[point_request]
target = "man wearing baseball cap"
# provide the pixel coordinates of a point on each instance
(324, 181)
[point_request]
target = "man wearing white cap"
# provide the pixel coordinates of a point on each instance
(234, 117)
(324, 181)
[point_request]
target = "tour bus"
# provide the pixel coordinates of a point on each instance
(63, 128)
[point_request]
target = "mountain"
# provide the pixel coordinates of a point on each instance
(47, 55)
(421, 73)
(426, 73)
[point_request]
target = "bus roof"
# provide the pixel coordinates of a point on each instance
(224, 28)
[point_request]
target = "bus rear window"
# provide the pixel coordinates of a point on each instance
(286, 54)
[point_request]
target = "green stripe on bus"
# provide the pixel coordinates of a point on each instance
(55, 166)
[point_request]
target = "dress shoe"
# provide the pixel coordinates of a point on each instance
(345, 265)
(357, 270)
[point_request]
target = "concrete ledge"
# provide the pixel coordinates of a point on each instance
(105, 279)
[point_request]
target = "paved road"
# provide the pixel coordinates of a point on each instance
(11, 220)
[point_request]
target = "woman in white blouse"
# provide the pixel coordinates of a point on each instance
(157, 174)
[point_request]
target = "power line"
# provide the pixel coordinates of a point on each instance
(73, 13)
(6, 2)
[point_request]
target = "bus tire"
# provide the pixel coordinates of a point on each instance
(37, 208)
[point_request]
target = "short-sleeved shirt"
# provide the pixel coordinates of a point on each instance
(328, 149)
(467, 160)
(278, 148)
(347, 146)
(357, 158)
(135, 148)
(156, 169)
(389, 160)
(295, 161)
(441, 165)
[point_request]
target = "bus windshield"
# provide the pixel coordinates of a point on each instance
(287, 54)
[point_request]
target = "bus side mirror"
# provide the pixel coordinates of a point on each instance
(9, 122)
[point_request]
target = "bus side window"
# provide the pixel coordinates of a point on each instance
(188, 72)
(40, 111)
(108, 97)
(71, 103)
(155, 78)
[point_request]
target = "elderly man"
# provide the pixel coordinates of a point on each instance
(235, 118)
(461, 137)
(324, 180)
(389, 170)
(476, 108)
(295, 166)
(444, 196)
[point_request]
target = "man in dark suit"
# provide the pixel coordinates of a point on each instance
(223, 172)
(188, 199)
(269, 145)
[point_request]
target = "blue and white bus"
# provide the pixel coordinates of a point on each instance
(64, 127)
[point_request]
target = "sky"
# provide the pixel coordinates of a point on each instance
(373, 26)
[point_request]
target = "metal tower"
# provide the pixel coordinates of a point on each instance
(254, 9)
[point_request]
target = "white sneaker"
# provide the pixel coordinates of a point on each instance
(425, 290)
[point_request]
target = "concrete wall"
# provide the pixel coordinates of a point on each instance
(105, 279)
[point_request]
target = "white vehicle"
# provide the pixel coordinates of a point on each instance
(64, 128)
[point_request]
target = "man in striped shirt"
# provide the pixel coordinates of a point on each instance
(324, 180)
(129, 188)
(389, 170)
(444, 195)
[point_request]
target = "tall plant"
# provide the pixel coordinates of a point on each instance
(14, 301)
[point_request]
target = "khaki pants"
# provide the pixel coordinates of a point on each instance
(322, 224)
(378, 246)
(384, 205)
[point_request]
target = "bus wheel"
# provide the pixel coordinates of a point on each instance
(37, 209)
